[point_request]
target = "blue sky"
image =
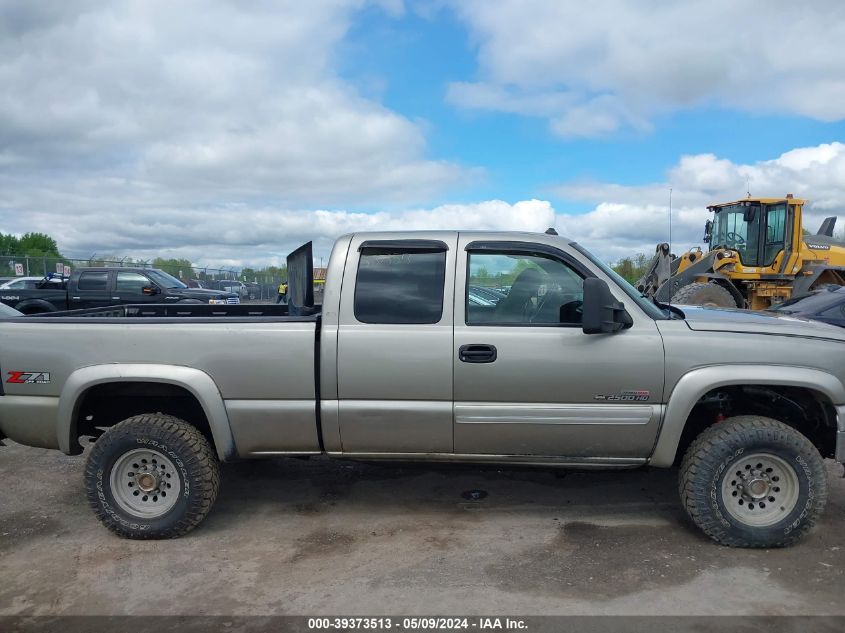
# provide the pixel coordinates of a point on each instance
(228, 133)
(407, 63)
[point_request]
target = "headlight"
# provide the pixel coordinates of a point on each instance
(217, 302)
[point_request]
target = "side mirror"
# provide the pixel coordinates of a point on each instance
(708, 231)
(602, 313)
(150, 290)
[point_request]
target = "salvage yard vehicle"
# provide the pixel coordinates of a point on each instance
(571, 368)
(21, 283)
(825, 304)
(105, 286)
(758, 256)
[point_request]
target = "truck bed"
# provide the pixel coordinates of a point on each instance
(259, 360)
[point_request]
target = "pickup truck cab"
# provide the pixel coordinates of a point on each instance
(106, 286)
(570, 367)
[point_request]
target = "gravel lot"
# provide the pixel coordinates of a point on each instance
(331, 537)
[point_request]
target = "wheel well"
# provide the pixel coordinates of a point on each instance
(809, 412)
(35, 307)
(103, 406)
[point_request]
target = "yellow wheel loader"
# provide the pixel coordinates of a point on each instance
(757, 256)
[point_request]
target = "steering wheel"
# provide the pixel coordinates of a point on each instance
(738, 240)
(573, 311)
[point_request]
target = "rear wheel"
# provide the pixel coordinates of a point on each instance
(751, 481)
(152, 476)
(704, 294)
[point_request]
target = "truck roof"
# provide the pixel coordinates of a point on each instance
(758, 200)
(101, 268)
(485, 235)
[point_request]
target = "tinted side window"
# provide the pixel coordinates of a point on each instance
(133, 283)
(94, 281)
(398, 286)
(529, 290)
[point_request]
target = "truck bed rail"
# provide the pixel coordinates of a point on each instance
(185, 310)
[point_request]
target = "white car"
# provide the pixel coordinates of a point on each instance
(23, 283)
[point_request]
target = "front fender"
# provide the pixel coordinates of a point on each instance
(693, 385)
(198, 383)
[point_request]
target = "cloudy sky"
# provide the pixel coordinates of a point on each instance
(230, 132)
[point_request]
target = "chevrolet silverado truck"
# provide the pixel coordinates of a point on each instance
(570, 368)
(107, 286)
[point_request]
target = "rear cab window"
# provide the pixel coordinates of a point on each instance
(400, 282)
(93, 280)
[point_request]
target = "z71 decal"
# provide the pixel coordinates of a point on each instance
(28, 377)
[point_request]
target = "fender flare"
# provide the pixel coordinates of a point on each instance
(693, 385)
(39, 303)
(196, 382)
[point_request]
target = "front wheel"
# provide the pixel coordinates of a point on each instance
(708, 294)
(152, 476)
(751, 481)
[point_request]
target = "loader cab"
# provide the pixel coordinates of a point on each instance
(756, 229)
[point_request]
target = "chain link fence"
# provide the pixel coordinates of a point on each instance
(257, 286)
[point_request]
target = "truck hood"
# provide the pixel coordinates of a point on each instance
(706, 319)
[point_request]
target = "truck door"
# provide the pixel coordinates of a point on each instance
(394, 355)
(528, 381)
(129, 288)
(93, 290)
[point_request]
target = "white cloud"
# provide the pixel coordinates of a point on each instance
(611, 219)
(237, 235)
(593, 69)
(629, 219)
(201, 101)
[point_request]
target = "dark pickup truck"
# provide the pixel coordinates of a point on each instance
(100, 287)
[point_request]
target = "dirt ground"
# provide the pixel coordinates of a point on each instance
(301, 537)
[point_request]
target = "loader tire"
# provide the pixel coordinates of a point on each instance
(704, 294)
(152, 476)
(752, 481)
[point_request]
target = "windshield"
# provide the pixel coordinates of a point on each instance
(163, 279)
(645, 305)
(731, 230)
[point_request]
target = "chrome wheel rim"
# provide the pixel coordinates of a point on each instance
(145, 483)
(760, 489)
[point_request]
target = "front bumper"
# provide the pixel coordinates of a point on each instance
(840, 434)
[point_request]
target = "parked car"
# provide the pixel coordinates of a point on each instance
(97, 287)
(399, 364)
(826, 304)
(28, 283)
(193, 283)
(235, 286)
(253, 290)
(490, 294)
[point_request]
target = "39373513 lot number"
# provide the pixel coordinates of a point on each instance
(380, 623)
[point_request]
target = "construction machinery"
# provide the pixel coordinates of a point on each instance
(758, 256)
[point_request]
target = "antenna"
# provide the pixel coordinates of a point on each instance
(669, 303)
(748, 185)
(670, 221)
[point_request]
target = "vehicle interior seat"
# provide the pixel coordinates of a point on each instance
(517, 306)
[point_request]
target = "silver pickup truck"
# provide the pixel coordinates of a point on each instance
(507, 348)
